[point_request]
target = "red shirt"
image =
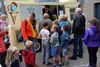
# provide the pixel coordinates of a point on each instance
(2, 45)
(28, 56)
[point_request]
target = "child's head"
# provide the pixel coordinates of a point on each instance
(29, 44)
(93, 21)
(12, 51)
(55, 22)
(46, 25)
(4, 17)
(64, 28)
(54, 28)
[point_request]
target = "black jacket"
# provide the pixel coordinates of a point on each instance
(15, 63)
(79, 25)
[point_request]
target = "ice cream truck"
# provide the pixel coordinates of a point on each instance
(17, 10)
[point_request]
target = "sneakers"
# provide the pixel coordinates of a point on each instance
(80, 56)
(48, 63)
(60, 64)
(54, 65)
(66, 62)
(73, 58)
(43, 62)
(91, 66)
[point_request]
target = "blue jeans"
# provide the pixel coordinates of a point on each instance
(78, 45)
(45, 53)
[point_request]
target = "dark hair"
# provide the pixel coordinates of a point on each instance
(66, 27)
(47, 6)
(33, 14)
(45, 24)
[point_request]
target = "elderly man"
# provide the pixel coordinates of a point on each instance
(46, 18)
(78, 30)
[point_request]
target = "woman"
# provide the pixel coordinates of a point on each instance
(92, 40)
(2, 49)
(29, 31)
(12, 58)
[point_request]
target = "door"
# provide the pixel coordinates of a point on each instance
(97, 11)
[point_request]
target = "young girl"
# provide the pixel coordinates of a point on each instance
(12, 59)
(54, 40)
(64, 42)
(92, 40)
(28, 54)
(44, 35)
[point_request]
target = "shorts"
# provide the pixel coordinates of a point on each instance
(54, 51)
(64, 51)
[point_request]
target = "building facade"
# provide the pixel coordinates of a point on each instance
(91, 8)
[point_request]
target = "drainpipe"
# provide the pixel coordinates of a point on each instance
(80, 3)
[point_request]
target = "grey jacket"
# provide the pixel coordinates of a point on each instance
(54, 40)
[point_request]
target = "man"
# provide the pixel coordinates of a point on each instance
(46, 18)
(78, 30)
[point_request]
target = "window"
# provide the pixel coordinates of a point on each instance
(72, 13)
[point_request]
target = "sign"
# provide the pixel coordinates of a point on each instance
(12, 7)
(26, 9)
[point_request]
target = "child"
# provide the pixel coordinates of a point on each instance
(12, 59)
(55, 22)
(28, 54)
(44, 34)
(64, 43)
(54, 40)
(92, 40)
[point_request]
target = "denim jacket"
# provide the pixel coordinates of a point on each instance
(64, 39)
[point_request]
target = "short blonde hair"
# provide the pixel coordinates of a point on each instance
(29, 44)
(78, 10)
(3, 16)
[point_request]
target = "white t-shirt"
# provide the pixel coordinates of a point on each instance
(44, 34)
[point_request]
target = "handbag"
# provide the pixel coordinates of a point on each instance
(20, 37)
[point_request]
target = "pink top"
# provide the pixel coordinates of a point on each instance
(4, 25)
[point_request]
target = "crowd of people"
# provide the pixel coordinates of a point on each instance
(55, 36)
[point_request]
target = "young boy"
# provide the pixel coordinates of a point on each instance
(28, 54)
(64, 43)
(54, 40)
(44, 35)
